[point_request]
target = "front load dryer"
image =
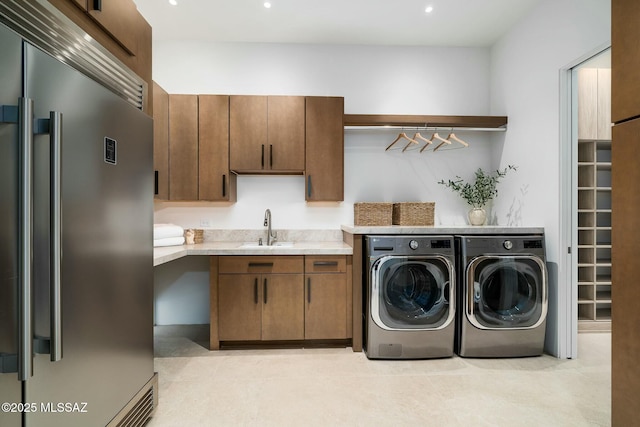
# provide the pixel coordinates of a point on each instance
(502, 296)
(410, 297)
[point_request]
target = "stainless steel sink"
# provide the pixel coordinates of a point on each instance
(255, 245)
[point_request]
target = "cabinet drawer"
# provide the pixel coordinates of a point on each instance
(261, 264)
(325, 264)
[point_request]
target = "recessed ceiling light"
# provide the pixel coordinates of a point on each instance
(173, 2)
(429, 9)
(267, 5)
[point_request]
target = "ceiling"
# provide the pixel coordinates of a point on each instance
(369, 22)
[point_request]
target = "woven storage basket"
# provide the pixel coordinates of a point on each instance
(372, 213)
(198, 236)
(413, 213)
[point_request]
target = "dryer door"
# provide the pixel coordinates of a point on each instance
(506, 292)
(412, 292)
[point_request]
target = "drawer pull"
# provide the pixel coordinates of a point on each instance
(325, 263)
(309, 290)
(260, 264)
(264, 290)
(255, 291)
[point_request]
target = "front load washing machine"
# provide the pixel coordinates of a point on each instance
(409, 301)
(502, 296)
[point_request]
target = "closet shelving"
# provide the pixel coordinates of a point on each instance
(594, 199)
(594, 234)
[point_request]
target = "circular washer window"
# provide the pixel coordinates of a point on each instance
(414, 293)
(508, 292)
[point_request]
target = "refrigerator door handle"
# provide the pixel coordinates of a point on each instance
(55, 139)
(25, 335)
(53, 127)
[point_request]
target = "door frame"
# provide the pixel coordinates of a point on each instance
(568, 261)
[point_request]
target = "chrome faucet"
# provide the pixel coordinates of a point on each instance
(271, 239)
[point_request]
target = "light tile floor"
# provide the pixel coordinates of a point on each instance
(336, 387)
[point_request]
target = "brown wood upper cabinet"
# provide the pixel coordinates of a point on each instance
(161, 141)
(324, 162)
(215, 182)
(267, 134)
(82, 4)
(118, 18)
(183, 147)
(625, 61)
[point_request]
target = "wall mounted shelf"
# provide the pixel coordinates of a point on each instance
(477, 123)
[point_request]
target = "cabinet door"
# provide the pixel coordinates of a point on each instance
(625, 269)
(324, 163)
(239, 307)
(588, 103)
(248, 133)
(325, 306)
(183, 147)
(604, 104)
(282, 307)
(214, 182)
(286, 133)
(161, 141)
(625, 60)
(118, 18)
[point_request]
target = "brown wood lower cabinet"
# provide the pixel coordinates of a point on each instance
(280, 298)
(325, 302)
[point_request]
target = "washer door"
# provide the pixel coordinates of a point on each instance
(505, 292)
(412, 292)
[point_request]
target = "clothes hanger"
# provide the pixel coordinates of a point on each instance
(429, 142)
(402, 135)
(444, 141)
(416, 137)
(455, 138)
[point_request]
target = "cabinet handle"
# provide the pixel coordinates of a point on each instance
(255, 291)
(264, 290)
(260, 264)
(262, 161)
(309, 186)
(270, 156)
(309, 290)
(97, 5)
(155, 182)
(325, 263)
(224, 185)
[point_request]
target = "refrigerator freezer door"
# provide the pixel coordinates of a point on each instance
(10, 91)
(107, 268)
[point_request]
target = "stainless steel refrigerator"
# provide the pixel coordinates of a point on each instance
(76, 270)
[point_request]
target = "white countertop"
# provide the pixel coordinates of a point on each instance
(449, 229)
(166, 254)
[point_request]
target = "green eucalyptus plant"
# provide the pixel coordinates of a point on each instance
(483, 189)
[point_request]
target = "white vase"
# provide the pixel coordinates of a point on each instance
(477, 216)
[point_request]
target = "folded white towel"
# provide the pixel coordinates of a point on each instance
(162, 231)
(168, 241)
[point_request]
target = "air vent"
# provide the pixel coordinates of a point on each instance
(45, 27)
(533, 244)
(138, 411)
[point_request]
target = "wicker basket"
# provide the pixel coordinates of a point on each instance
(372, 213)
(198, 236)
(413, 213)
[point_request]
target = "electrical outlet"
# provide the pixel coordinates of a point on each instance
(205, 223)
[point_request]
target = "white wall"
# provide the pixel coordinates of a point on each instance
(525, 85)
